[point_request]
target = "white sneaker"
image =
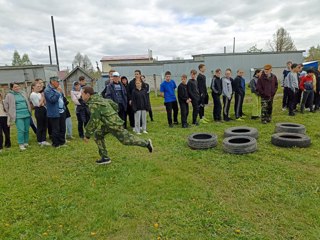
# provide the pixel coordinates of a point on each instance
(45, 143)
(26, 145)
(138, 133)
(22, 147)
(145, 132)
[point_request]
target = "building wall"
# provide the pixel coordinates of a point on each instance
(249, 62)
(245, 61)
(26, 75)
(8, 75)
(68, 82)
(106, 65)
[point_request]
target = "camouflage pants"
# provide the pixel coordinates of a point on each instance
(115, 127)
(266, 109)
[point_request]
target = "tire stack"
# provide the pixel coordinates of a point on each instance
(290, 135)
(240, 140)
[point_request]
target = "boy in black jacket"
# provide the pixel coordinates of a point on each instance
(216, 87)
(238, 88)
(193, 92)
(202, 86)
(184, 100)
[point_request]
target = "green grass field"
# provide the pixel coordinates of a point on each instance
(173, 193)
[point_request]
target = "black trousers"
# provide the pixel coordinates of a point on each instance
(201, 111)
(285, 98)
(298, 98)
(169, 107)
(42, 124)
(184, 111)
(291, 101)
(122, 114)
(307, 95)
(131, 115)
(195, 111)
(5, 129)
(238, 102)
(33, 126)
(151, 114)
(58, 128)
(316, 100)
(81, 125)
(226, 107)
(217, 107)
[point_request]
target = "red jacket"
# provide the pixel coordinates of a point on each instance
(267, 86)
(304, 81)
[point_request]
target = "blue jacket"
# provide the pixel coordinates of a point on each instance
(111, 94)
(52, 101)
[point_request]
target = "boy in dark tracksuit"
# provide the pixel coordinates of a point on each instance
(202, 86)
(194, 95)
(216, 87)
(184, 100)
(239, 94)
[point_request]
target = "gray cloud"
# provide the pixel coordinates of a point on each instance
(170, 28)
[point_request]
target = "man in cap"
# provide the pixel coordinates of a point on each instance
(104, 119)
(117, 93)
(56, 112)
(267, 87)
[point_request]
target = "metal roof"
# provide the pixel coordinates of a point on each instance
(125, 57)
(245, 53)
(26, 66)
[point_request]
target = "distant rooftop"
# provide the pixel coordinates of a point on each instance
(245, 53)
(26, 66)
(125, 57)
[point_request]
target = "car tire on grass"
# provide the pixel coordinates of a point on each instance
(241, 131)
(239, 144)
(290, 128)
(202, 140)
(290, 140)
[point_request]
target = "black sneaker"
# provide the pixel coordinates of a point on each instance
(176, 123)
(150, 146)
(103, 161)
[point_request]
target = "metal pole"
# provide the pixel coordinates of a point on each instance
(50, 55)
(234, 45)
(155, 85)
(55, 42)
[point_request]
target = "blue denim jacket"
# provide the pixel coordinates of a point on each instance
(52, 101)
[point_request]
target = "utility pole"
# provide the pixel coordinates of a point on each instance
(50, 55)
(55, 42)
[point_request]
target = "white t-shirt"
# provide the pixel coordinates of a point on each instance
(35, 99)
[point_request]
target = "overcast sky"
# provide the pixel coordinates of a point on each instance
(171, 28)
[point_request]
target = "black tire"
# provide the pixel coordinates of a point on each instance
(239, 144)
(241, 131)
(290, 140)
(202, 140)
(290, 128)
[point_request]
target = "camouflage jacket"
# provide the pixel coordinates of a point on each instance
(103, 112)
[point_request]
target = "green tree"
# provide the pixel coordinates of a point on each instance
(281, 41)
(25, 60)
(83, 61)
(16, 60)
(254, 49)
(313, 53)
